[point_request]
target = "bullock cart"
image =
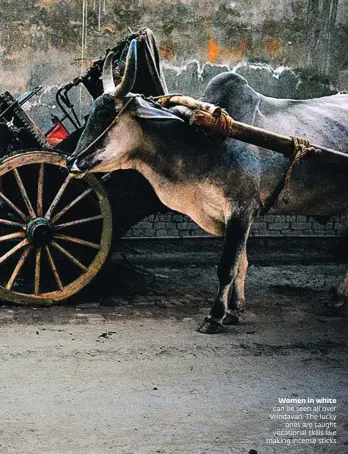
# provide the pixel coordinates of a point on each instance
(56, 231)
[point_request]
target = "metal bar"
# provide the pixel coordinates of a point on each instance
(12, 251)
(60, 100)
(14, 208)
(40, 184)
(71, 204)
(79, 221)
(20, 102)
(37, 270)
(24, 194)
(77, 241)
(18, 267)
(54, 269)
(12, 223)
(69, 256)
(58, 197)
(11, 236)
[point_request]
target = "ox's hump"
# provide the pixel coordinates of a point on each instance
(232, 92)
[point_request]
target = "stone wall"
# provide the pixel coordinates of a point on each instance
(175, 225)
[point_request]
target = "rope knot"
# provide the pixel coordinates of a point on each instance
(302, 148)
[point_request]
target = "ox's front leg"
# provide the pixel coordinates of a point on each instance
(236, 234)
(237, 298)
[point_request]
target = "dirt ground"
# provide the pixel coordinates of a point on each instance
(122, 369)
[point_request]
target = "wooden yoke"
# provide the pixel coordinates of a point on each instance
(216, 121)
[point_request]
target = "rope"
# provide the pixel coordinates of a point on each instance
(302, 148)
(83, 47)
(221, 125)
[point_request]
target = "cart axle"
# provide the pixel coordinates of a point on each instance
(39, 232)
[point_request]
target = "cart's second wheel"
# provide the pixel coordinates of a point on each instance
(55, 230)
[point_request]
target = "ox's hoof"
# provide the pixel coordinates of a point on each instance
(337, 307)
(210, 326)
(338, 304)
(232, 318)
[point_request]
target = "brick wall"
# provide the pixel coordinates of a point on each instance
(177, 225)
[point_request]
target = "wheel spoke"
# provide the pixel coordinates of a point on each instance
(13, 250)
(10, 236)
(12, 223)
(37, 270)
(69, 256)
(79, 221)
(77, 240)
(24, 194)
(18, 267)
(54, 269)
(40, 191)
(58, 197)
(14, 208)
(71, 204)
(106, 176)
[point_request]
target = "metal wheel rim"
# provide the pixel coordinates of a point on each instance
(48, 298)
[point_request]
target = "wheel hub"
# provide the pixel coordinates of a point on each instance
(39, 232)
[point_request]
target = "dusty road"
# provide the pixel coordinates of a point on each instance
(128, 373)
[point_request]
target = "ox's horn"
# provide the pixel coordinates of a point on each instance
(108, 76)
(126, 85)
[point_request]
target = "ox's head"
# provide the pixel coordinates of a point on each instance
(113, 130)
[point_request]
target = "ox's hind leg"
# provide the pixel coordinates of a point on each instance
(236, 234)
(237, 298)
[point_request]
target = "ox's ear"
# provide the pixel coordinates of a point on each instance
(145, 109)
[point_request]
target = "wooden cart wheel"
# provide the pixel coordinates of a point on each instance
(55, 230)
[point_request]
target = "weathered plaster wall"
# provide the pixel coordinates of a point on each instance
(40, 40)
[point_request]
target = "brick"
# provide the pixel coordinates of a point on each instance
(144, 225)
(177, 218)
(199, 232)
(149, 232)
(329, 226)
(138, 232)
(299, 225)
(259, 225)
(317, 226)
(184, 233)
(300, 218)
(184, 225)
(161, 233)
(339, 226)
(278, 225)
(173, 232)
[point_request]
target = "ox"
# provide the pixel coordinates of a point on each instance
(221, 184)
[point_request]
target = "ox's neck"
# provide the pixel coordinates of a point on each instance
(178, 164)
